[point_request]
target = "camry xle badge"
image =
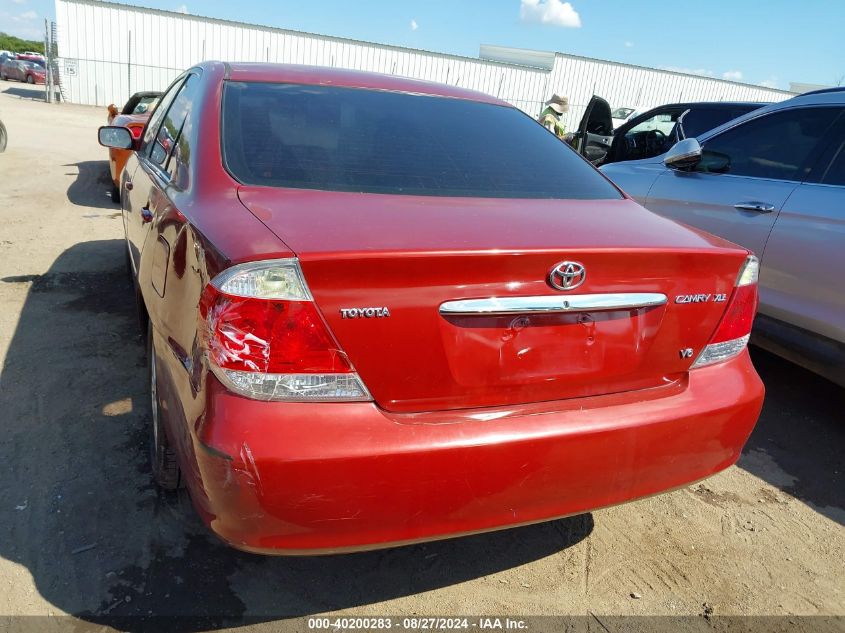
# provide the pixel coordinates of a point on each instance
(567, 275)
(364, 313)
(702, 298)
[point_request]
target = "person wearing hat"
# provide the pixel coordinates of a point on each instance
(550, 116)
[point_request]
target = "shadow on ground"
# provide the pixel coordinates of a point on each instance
(23, 90)
(92, 186)
(797, 444)
(79, 512)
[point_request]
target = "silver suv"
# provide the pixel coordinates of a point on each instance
(773, 181)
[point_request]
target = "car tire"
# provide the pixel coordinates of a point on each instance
(29, 79)
(165, 467)
(115, 193)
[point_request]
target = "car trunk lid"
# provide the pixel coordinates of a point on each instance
(444, 303)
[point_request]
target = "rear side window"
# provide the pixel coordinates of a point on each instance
(835, 173)
(830, 167)
(359, 140)
(777, 146)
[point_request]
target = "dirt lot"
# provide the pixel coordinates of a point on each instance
(85, 533)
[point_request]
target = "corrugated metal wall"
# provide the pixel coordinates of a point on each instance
(108, 51)
(114, 50)
(642, 88)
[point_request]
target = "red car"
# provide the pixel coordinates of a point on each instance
(23, 70)
(381, 311)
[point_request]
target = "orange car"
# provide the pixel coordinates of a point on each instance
(134, 116)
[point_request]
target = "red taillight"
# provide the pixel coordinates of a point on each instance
(270, 336)
(265, 339)
(731, 337)
(136, 131)
(739, 315)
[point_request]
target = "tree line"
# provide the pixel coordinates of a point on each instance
(17, 45)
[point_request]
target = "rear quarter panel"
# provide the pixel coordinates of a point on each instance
(801, 280)
(205, 228)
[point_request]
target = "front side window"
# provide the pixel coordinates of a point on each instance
(701, 120)
(359, 140)
(777, 146)
(158, 114)
(171, 126)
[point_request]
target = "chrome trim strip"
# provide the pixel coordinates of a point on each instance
(551, 304)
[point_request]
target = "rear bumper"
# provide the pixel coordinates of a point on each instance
(319, 478)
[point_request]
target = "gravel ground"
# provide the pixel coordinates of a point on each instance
(85, 533)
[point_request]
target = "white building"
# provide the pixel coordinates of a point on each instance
(108, 51)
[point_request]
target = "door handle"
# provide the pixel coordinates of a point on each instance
(146, 214)
(759, 207)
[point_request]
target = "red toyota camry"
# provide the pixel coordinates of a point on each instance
(381, 311)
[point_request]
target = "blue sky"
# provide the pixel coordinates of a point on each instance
(769, 42)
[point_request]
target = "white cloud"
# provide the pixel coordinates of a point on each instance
(19, 1)
(552, 12)
(770, 83)
(27, 15)
(629, 45)
(704, 72)
(414, 25)
(182, 8)
(732, 75)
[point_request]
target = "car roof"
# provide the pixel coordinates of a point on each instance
(823, 91)
(818, 97)
(717, 104)
(322, 76)
(835, 96)
(646, 114)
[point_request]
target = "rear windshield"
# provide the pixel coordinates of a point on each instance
(357, 140)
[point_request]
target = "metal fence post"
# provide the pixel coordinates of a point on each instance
(47, 78)
(129, 64)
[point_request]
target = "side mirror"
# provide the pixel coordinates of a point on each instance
(684, 155)
(115, 137)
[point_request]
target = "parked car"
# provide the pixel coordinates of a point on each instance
(370, 321)
(29, 56)
(622, 115)
(649, 133)
(6, 55)
(133, 116)
(774, 182)
(654, 132)
(22, 70)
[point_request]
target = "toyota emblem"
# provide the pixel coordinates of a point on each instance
(567, 275)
